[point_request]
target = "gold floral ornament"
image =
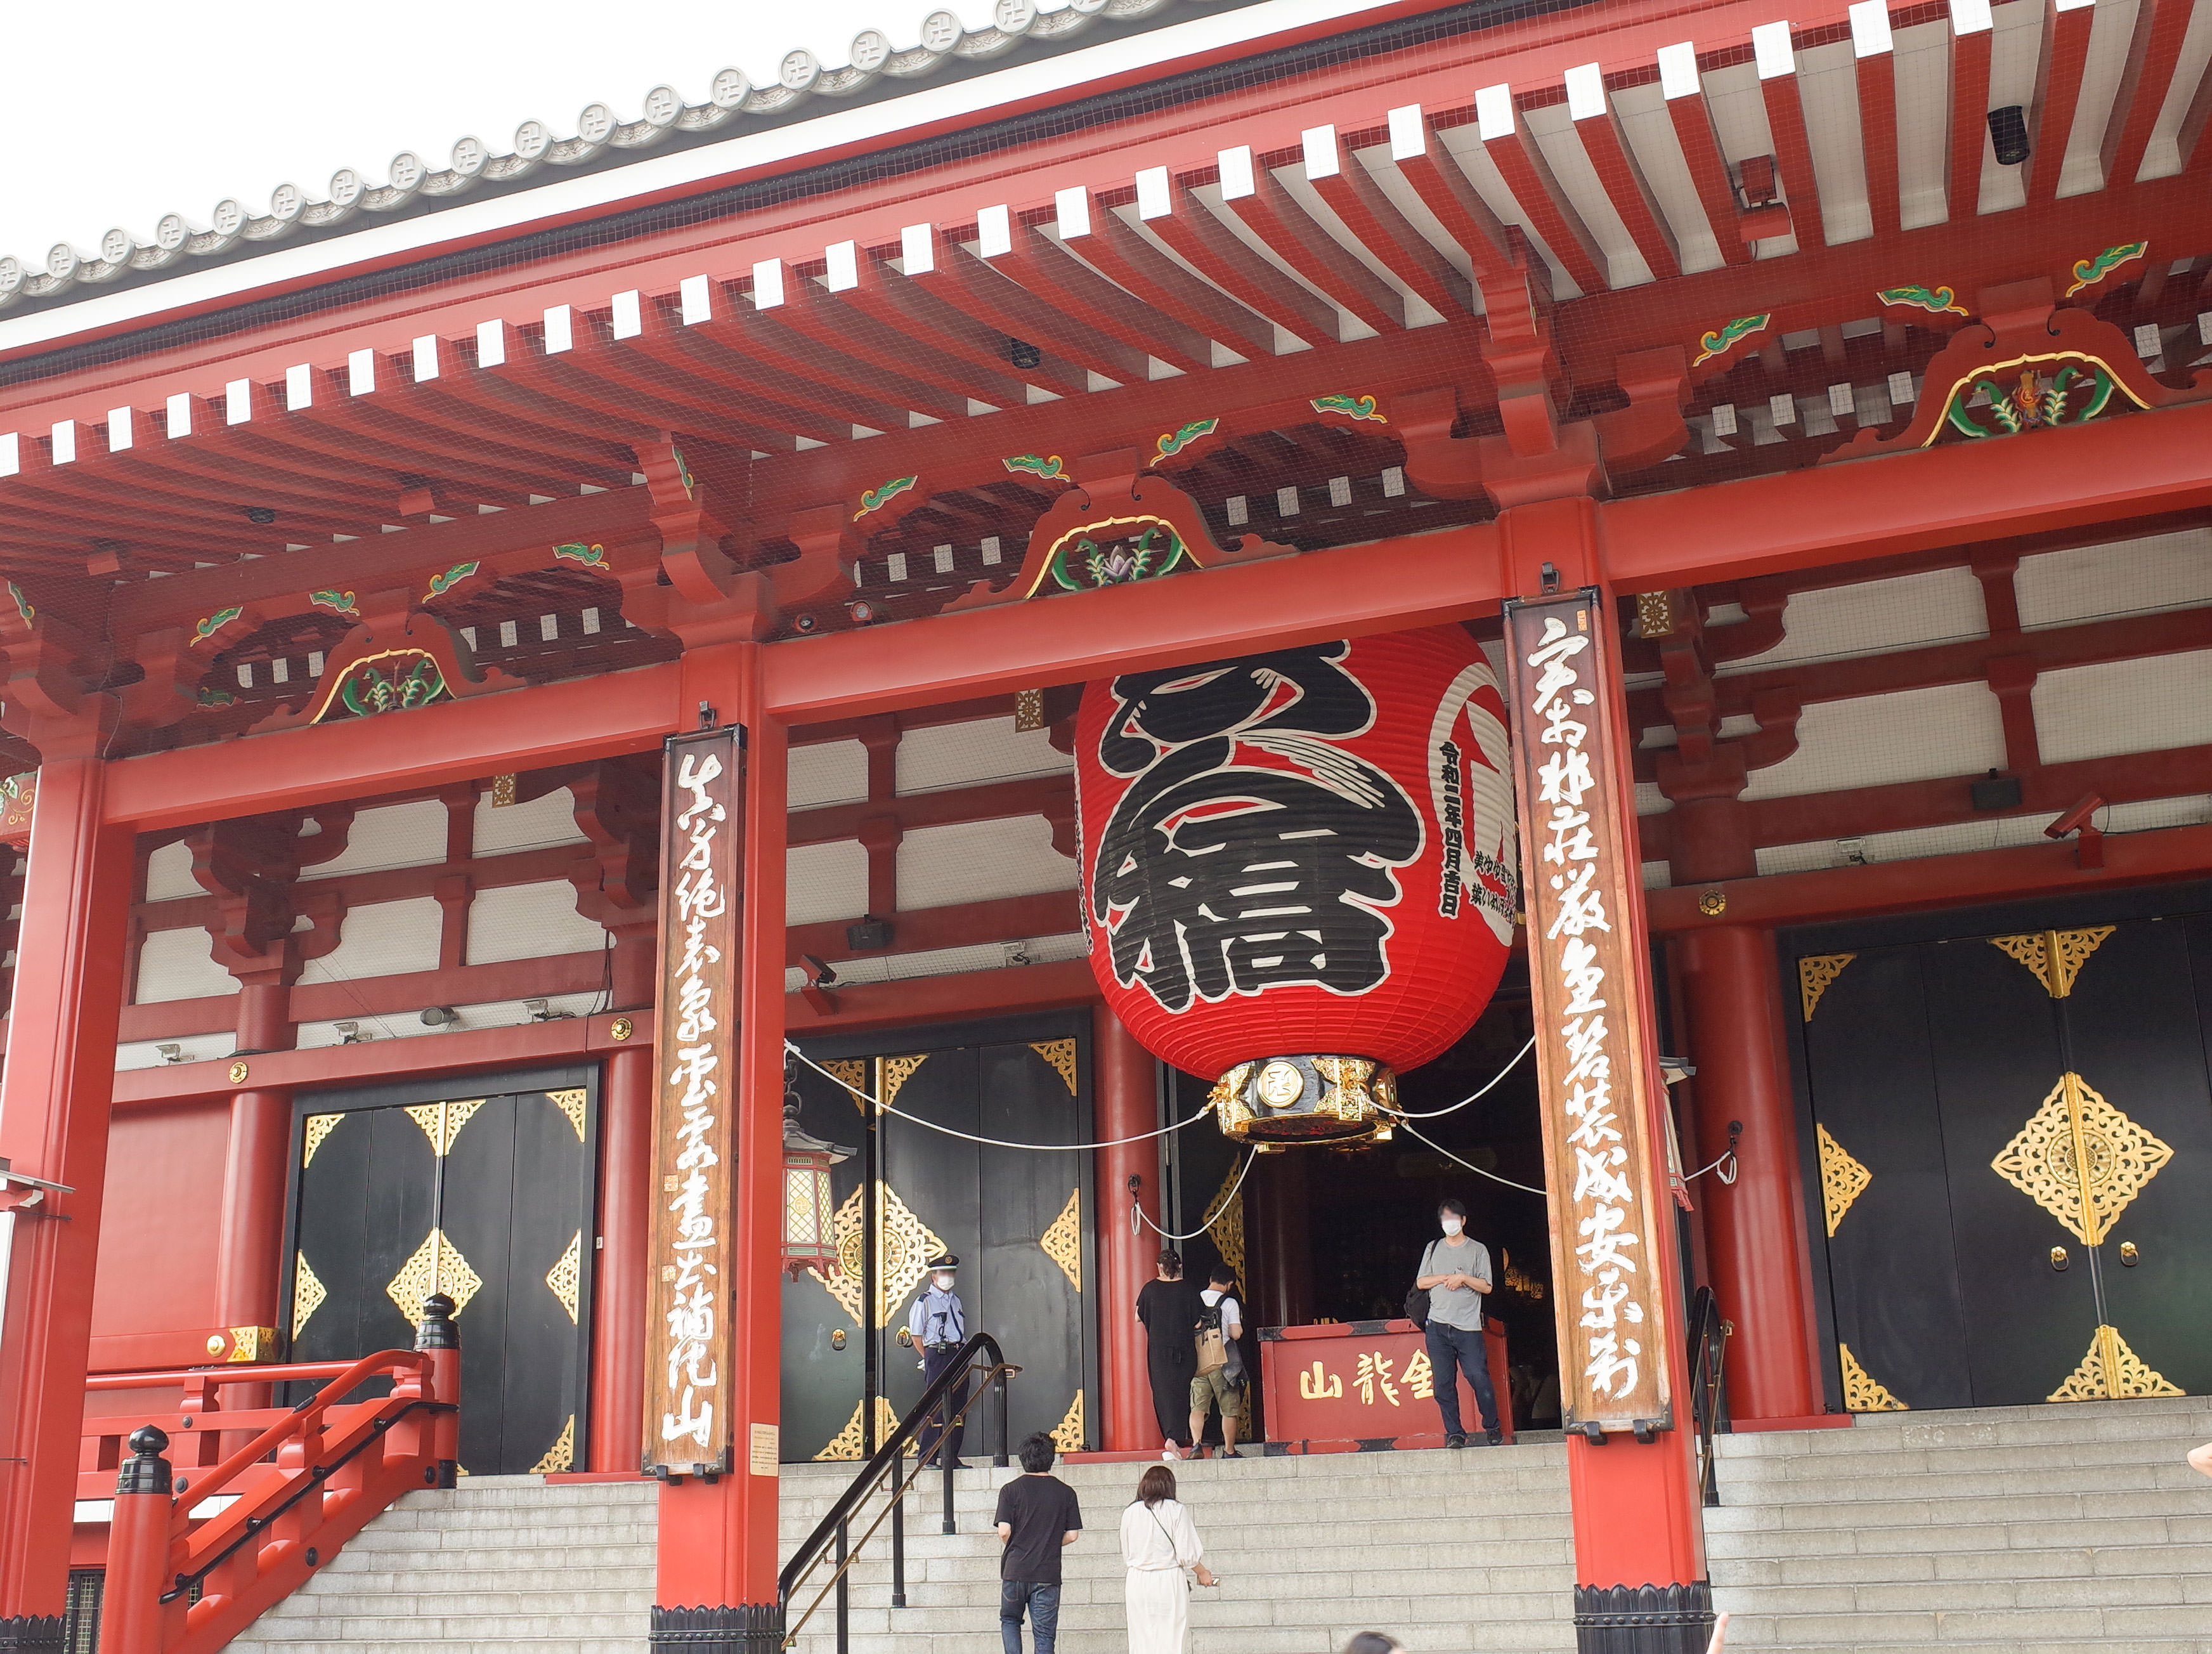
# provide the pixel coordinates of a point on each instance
(2054, 956)
(307, 1293)
(904, 1247)
(571, 1104)
(1815, 974)
(1228, 1206)
(1862, 1392)
(1060, 1052)
(852, 1076)
(441, 1123)
(895, 1071)
(1843, 1179)
(436, 1266)
(561, 1455)
(318, 1127)
(2081, 1159)
(565, 1279)
(2112, 1371)
(847, 1443)
(1063, 1240)
(1068, 1438)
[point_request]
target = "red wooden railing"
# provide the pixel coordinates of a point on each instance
(303, 1482)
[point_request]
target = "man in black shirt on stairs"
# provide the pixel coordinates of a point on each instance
(1037, 1515)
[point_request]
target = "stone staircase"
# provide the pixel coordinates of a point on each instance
(1309, 1549)
(500, 1564)
(2009, 1528)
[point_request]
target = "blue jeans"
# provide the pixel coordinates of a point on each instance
(1043, 1602)
(1452, 1350)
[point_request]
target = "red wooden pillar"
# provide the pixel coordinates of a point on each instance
(53, 1124)
(718, 1540)
(1128, 1090)
(625, 1226)
(248, 1266)
(1755, 1234)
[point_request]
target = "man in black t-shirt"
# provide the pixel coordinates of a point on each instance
(1037, 1515)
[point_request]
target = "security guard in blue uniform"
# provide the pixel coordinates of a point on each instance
(938, 1326)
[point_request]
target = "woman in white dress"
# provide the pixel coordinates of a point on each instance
(1158, 1542)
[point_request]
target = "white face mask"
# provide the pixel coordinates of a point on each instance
(1453, 1226)
(943, 1282)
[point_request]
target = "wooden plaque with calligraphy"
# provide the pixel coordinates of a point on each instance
(688, 1370)
(1581, 882)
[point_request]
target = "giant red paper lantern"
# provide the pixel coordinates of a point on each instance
(1298, 868)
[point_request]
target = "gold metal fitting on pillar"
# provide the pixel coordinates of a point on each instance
(1330, 1100)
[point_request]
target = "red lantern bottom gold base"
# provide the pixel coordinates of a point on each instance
(1335, 1100)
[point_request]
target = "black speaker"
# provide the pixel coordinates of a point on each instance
(2009, 133)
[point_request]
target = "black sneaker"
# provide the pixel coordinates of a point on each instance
(1229, 1453)
(1495, 1437)
(1455, 1441)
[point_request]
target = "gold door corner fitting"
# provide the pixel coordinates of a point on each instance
(1063, 1239)
(892, 1074)
(2112, 1371)
(2081, 1159)
(1843, 1179)
(1060, 1052)
(2054, 956)
(1864, 1393)
(1815, 973)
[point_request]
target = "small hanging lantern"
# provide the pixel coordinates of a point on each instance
(810, 1240)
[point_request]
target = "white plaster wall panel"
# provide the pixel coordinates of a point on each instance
(1774, 859)
(502, 829)
(2126, 577)
(530, 921)
(1658, 875)
(1873, 617)
(1650, 801)
(193, 1047)
(2124, 706)
(833, 772)
(979, 862)
(1876, 740)
(822, 882)
(2148, 815)
(409, 1025)
(179, 964)
(391, 836)
(969, 755)
(169, 873)
(382, 938)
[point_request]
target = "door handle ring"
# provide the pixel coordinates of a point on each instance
(2128, 1255)
(2059, 1261)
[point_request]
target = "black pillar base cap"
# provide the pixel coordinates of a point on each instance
(748, 1628)
(32, 1634)
(1643, 1619)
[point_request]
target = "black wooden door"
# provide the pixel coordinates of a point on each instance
(1019, 1220)
(2014, 1130)
(487, 1199)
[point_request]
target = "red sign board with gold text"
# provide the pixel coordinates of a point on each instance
(1365, 1381)
(688, 1377)
(1587, 978)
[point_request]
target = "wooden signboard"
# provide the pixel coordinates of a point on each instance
(689, 1376)
(1580, 881)
(1333, 1387)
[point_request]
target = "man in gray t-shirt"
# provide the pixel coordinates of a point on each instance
(1455, 1273)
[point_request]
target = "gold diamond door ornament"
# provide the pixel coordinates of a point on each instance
(2112, 1371)
(1063, 1240)
(436, 1266)
(905, 1246)
(1068, 1438)
(561, 1455)
(1864, 1393)
(1843, 1179)
(308, 1292)
(2081, 1159)
(565, 1279)
(847, 1443)
(2054, 956)
(1224, 1220)
(441, 1123)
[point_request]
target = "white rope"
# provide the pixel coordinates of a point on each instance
(1727, 1159)
(1477, 1170)
(993, 1142)
(1478, 1095)
(1220, 1212)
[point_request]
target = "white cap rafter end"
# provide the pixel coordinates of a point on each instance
(1772, 48)
(491, 343)
(1585, 92)
(994, 232)
(1321, 155)
(918, 249)
(1155, 199)
(629, 315)
(1409, 133)
(1871, 35)
(1072, 208)
(300, 386)
(1493, 113)
(180, 415)
(65, 441)
(1678, 70)
(1970, 16)
(238, 402)
(11, 456)
(119, 429)
(360, 372)
(1236, 167)
(767, 284)
(426, 358)
(696, 294)
(844, 271)
(560, 329)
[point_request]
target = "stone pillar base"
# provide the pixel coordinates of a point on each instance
(1643, 1619)
(748, 1628)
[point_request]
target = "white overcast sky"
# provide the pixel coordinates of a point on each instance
(125, 111)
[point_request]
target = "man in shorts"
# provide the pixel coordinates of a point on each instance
(1220, 1380)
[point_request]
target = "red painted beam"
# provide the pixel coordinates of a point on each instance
(1970, 124)
(1623, 179)
(518, 729)
(923, 930)
(1877, 85)
(1792, 157)
(945, 998)
(1551, 215)
(1940, 881)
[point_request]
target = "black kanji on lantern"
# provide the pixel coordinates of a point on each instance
(1216, 877)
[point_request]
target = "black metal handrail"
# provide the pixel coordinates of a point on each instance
(1708, 1336)
(830, 1534)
